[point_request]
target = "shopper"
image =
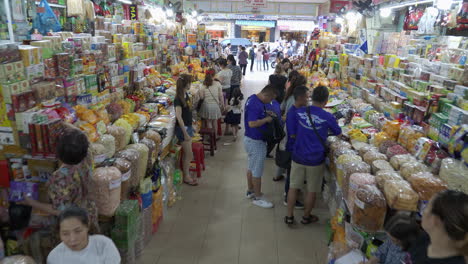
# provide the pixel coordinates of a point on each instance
(252, 57)
(233, 116)
(445, 220)
(184, 129)
(213, 100)
(224, 75)
(278, 80)
(236, 75)
(266, 60)
(311, 131)
(274, 107)
(69, 184)
(243, 57)
(301, 99)
(77, 245)
(259, 58)
(227, 50)
(256, 119)
(287, 66)
(402, 233)
(294, 80)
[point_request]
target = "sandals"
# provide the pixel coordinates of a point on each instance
(289, 220)
(309, 220)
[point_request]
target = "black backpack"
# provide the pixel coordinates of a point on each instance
(274, 132)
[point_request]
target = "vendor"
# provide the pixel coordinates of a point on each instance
(69, 184)
(77, 245)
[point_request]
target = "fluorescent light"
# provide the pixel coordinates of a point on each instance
(385, 12)
(169, 12)
(412, 3)
(125, 2)
(444, 4)
(194, 13)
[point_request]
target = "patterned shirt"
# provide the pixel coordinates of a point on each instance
(236, 74)
(390, 253)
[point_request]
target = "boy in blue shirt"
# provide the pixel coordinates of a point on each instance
(308, 155)
(256, 118)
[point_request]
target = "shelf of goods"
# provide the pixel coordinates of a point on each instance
(407, 135)
(111, 86)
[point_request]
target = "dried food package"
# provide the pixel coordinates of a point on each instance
(151, 150)
(369, 209)
(383, 176)
(379, 165)
(358, 145)
(86, 115)
(392, 129)
(455, 174)
(385, 145)
(98, 151)
(90, 131)
(102, 114)
(125, 167)
(105, 189)
(340, 161)
(366, 149)
(398, 160)
(108, 141)
(372, 156)
(410, 168)
(395, 150)
(400, 196)
(133, 156)
(115, 111)
(379, 138)
(142, 161)
(426, 185)
(153, 135)
(119, 135)
(356, 180)
(351, 168)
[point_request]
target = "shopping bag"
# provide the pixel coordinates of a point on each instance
(46, 20)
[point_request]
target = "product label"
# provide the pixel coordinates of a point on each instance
(99, 158)
(115, 184)
(126, 175)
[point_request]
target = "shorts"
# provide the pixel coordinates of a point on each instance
(180, 135)
(312, 174)
(256, 155)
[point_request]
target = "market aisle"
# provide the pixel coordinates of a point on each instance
(215, 224)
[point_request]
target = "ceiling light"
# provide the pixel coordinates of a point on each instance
(194, 13)
(385, 12)
(444, 4)
(169, 12)
(125, 2)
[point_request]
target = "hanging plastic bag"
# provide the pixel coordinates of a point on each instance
(46, 20)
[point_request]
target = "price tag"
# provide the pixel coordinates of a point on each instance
(126, 175)
(115, 184)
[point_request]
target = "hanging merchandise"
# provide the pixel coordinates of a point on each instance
(427, 22)
(46, 20)
(412, 18)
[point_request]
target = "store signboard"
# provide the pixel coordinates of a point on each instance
(133, 9)
(255, 3)
(296, 25)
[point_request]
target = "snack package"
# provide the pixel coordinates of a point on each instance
(151, 151)
(365, 149)
(395, 150)
(369, 209)
(142, 161)
(108, 141)
(455, 174)
(98, 151)
(86, 115)
(351, 168)
(400, 196)
(372, 156)
(379, 138)
(105, 189)
(410, 168)
(398, 160)
(340, 161)
(392, 129)
(125, 168)
(383, 176)
(386, 145)
(128, 128)
(153, 135)
(379, 165)
(133, 156)
(90, 131)
(356, 180)
(119, 135)
(115, 111)
(426, 185)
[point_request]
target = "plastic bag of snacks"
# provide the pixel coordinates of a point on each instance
(133, 156)
(357, 180)
(372, 156)
(125, 168)
(383, 176)
(379, 138)
(455, 173)
(142, 161)
(341, 160)
(386, 145)
(392, 128)
(102, 114)
(398, 160)
(128, 128)
(365, 149)
(351, 168)
(396, 150)
(115, 111)
(153, 135)
(151, 150)
(369, 209)
(426, 185)
(108, 141)
(379, 165)
(400, 196)
(90, 131)
(98, 151)
(409, 135)
(105, 189)
(358, 145)
(410, 168)
(86, 115)
(119, 136)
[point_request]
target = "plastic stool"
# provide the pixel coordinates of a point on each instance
(198, 159)
(209, 133)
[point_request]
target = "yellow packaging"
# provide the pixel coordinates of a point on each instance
(30, 55)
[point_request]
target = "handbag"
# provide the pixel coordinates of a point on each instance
(316, 132)
(283, 158)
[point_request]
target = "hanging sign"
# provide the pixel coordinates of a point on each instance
(133, 12)
(255, 3)
(191, 39)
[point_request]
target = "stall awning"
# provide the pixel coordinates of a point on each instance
(296, 25)
(257, 23)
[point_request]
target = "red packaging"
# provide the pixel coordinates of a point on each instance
(32, 136)
(39, 139)
(45, 138)
(4, 174)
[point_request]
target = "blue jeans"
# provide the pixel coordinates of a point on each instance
(180, 135)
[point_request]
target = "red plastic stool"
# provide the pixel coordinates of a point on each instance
(209, 133)
(198, 159)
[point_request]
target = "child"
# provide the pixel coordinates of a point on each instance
(233, 117)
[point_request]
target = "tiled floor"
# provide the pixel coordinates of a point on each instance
(215, 224)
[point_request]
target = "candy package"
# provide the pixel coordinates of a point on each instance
(383, 176)
(400, 196)
(369, 209)
(410, 168)
(426, 185)
(398, 160)
(105, 189)
(455, 174)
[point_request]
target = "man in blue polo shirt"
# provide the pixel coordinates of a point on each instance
(256, 118)
(308, 156)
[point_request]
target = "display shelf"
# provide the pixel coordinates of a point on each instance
(54, 5)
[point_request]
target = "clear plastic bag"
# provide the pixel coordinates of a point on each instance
(398, 160)
(366, 149)
(410, 168)
(395, 150)
(142, 161)
(379, 138)
(455, 173)
(351, 168)
(372, 156)
(119, 136)
(426, 185)
(386, 145)
(133, 156)
(383, 176)
(153, 135)
(108, 141)
(400, 196)
(379, 165)
(105, 189)
(356, 180)
(369, 209)
(128, 128)
(151, 150)
(125, 167)
(18, 259)
(340, 161)
(98, 151)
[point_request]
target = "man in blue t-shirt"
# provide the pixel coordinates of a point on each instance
(308, 155)
(256, 118)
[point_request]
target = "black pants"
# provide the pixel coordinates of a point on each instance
(265, 62)
(231, 91)
(251, 64)
(243, 68)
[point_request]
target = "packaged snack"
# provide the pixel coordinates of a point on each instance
(369, 209)
(119, 136)
(383, 176)
(392, 129)
(98, 151)
(398, 160)
(379, 138)
(108, 141)
(105, 189)
(133, 156)
(455, 174)
(351, 168)
(365, 149)
(125, 168)
(151, 151)
(386, 145)
(400, 196)
(153, 135)
(426, 185)
(396, 150)
(372, 156)
(379, 165)
(143, 160)
(90, 131)
(410, 168)
(86, 115)
(128, 128)
(357, 180)
(340, 161)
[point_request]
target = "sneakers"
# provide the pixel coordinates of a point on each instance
(261, 202)
(298, 205)
(250, 194)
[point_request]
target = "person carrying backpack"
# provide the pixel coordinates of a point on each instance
(252, 57)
